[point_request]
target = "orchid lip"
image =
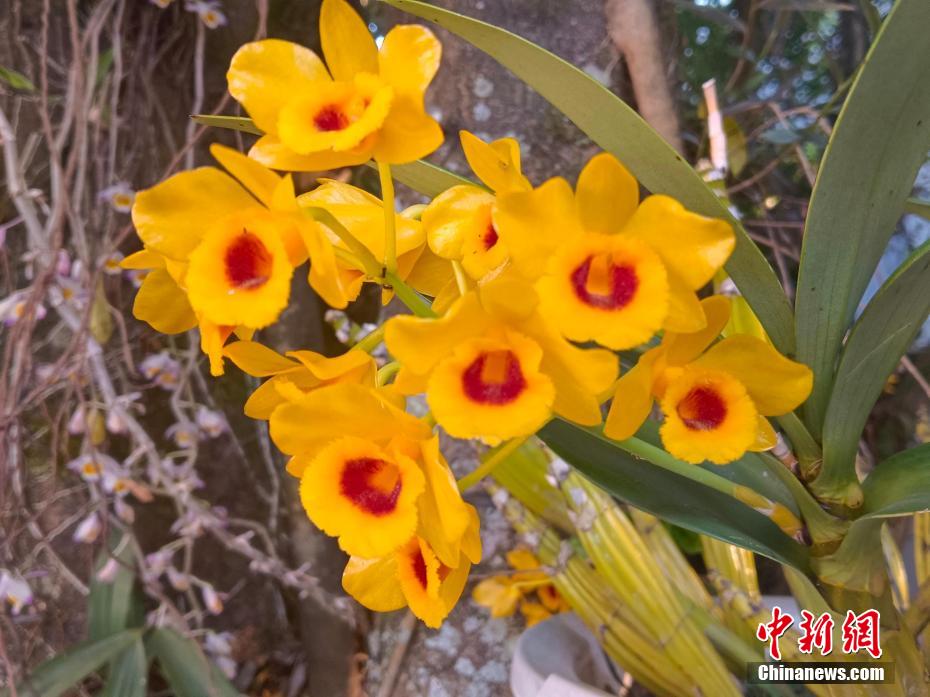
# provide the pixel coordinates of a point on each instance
(494, 378)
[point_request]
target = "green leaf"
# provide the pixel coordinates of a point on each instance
(186, 668)
(110, 604)
(878, 144)
(427, 178)
(16, 80)
(618, 129)
(748, 471)
(236, 123)
(899, 486)
(670, 496)
(884, 331)
(128, 673)
(68, 669)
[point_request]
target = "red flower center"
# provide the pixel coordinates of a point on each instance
(330, 118)
(248, 262)
(489, 238)
(702, 409)
(494, 377)
(604, 285)
(419, 567)
(371, 484)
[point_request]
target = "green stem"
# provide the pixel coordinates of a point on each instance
(387, 372)
(371, 341)
(492, 461)
(823, 527)
(370, 265)
(387, 201)
(805, 447)
(409, 297)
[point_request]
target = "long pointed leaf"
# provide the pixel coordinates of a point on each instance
(427, 178)
(879, 338)
(900, 485)
(128, 673)
(66, 670)
(618, 129)
(670, 496)
(878, 144)
(189, 672)
(110, 603)
(236, 123)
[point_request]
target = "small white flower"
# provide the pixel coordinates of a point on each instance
(88, 529)
(179, 581)
(115, 482)
(227, 665)
(208, 11)
(211, 599)
(108, 571)
(162, 369)
(77, 424)
(111, 263)
(120, 196)
(136, 276)
(14, 591)
(184, 435)
(92, 466)
(124, 511)
(213, 423)
(63, 263)
(218, 643)
(15, 306)
(158, 562)
(161, 3)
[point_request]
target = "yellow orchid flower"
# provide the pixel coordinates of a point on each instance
(714, 397)
(164, 305)
(363, 216)
(222, 250)
(493, 368)
(609, 268)
(295, 373)
(368, 104)
(459, 222)
(413, 576)
(504, 593)
(370, 473)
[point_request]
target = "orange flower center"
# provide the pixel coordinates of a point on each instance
(331, 118)
(371, 484)
(494, 377)
(489, 238)
(702, 409)
(248, 262)
(604, 285)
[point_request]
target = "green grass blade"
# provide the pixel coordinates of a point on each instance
(670, 496)
(900, 485)
(618, 129)
(66, 670)
(878, 144)
(186, 668)
(879, 338)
